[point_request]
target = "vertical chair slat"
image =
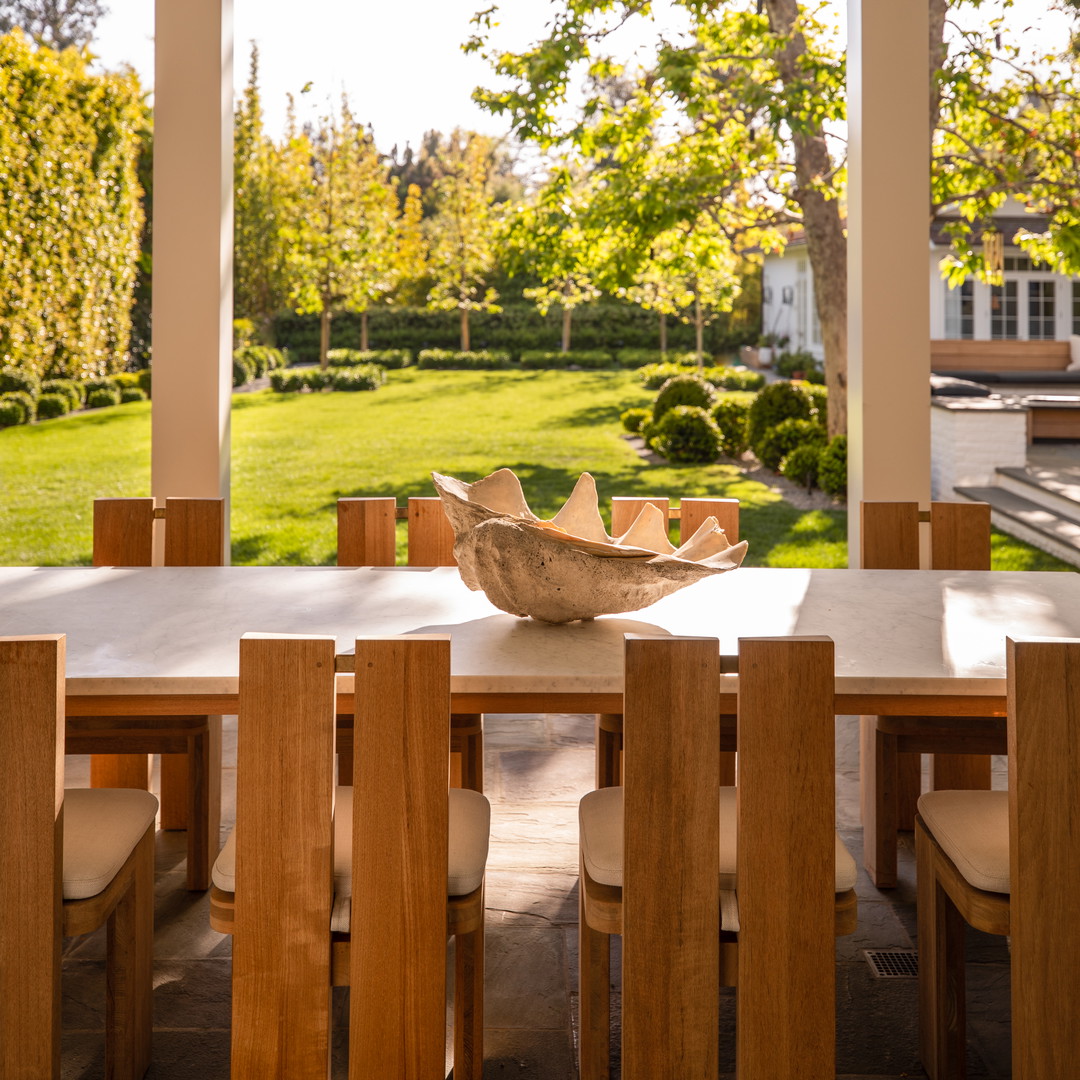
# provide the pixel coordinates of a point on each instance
(692, 512)
(400, 837)
(1044, 823)
(194, 532)
(625, 508)
(786, 1004)
(959, 536)
(890, 535)
(284, 857)
(431, 536)
(366, 531)
(123, 532)
(31, 854)
(671, 878)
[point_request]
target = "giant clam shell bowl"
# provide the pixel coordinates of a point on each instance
(569, 568)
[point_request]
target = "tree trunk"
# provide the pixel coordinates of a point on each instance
(324, 336)
(826, 244)
(663, 335)
(699, 332)
(363, 331)
(566, 313)
(464, 329)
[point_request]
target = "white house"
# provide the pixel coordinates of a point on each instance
(1033, 303)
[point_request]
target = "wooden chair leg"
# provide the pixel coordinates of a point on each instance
(469, 1004)
(960, 772)
(877, 780)
(942, 1026)
(467, 741)
(344, 750)
(174, 792)
(120, 771)
(608, 749)
(204, 804)
(594, 984)
(129, 972)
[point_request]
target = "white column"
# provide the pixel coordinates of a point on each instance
(193, 228)
(888, 233)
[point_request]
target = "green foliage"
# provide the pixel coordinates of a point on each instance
(69, 210)
(12, 413)
(386, 358)
(776, 402)
(686, 435)
(732, 418)
(448, 360)
(23, 402)
(297, 380)
(819, 403)
(587, 360)
(634, 358)
(72, 390)
(128, 394)
(13, 378)
(361, 377)
(653, 376)
(102, 397)
(243, 370)
(779, 441)
(730, 378)
(832, 467)
(634, 419)
(50, 405)
(801, 465)
(258, 358)
(683, 389)
(790, 364)
(124, 380)
(145, 380)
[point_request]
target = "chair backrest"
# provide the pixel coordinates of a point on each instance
(284, 857)
(124, 532)
(31, 853)
(367, 537)
(690, 514)
(1044, 817)
(959, 535)
(786, 850)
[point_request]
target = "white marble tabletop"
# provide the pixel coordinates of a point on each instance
(175, 630)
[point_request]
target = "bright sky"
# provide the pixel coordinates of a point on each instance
(400, 63)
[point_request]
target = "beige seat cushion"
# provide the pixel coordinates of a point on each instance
(600, 820)
(470, 824)
(972, 828)
(101, 828)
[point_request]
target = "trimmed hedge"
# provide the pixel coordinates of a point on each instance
(683, 389)
(389, 359)
(585, 359)
(50, 406)
(832, 467)
(802, 464)
(315, 380)
(732, 418)
(11, 413)
(779, 441)
(686, 435)
(129, 394)
(25, 400)
(72, 390)
(361, 377)
(777, 401)
(448, 360)
(14, 379)
(102, 397)
(634, 419)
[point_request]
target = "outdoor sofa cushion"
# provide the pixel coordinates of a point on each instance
(600, 819)
(972, 828)
(102, 826)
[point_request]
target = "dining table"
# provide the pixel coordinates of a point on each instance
(160, 641)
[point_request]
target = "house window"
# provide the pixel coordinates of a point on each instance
(1076, 307)
(960, 311)
(1003, 311)
(1041, 310)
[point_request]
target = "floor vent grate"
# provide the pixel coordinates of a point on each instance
(893, 963)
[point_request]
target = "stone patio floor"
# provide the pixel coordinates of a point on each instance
(537, 767)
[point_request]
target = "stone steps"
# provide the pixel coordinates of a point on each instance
(1038, 510)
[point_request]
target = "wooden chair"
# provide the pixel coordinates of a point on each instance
(190, 746)
(1008, 863)
(889, 762)
(365, 896)
(70, 862)
(690, 513)
(367, 537)
(694, 912)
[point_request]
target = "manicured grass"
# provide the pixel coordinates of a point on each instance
(294, 455)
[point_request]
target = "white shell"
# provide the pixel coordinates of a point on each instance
(569, 568)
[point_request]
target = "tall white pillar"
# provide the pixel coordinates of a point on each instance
(888, 238)
(193, 230)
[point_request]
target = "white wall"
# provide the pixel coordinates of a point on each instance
(796, 320)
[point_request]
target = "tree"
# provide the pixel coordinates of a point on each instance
(341, 225)
(739, 117)
(59, 24)
(70, 216)
(411, 282)
(462, 253)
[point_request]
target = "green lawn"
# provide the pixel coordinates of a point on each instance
(295, 455)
